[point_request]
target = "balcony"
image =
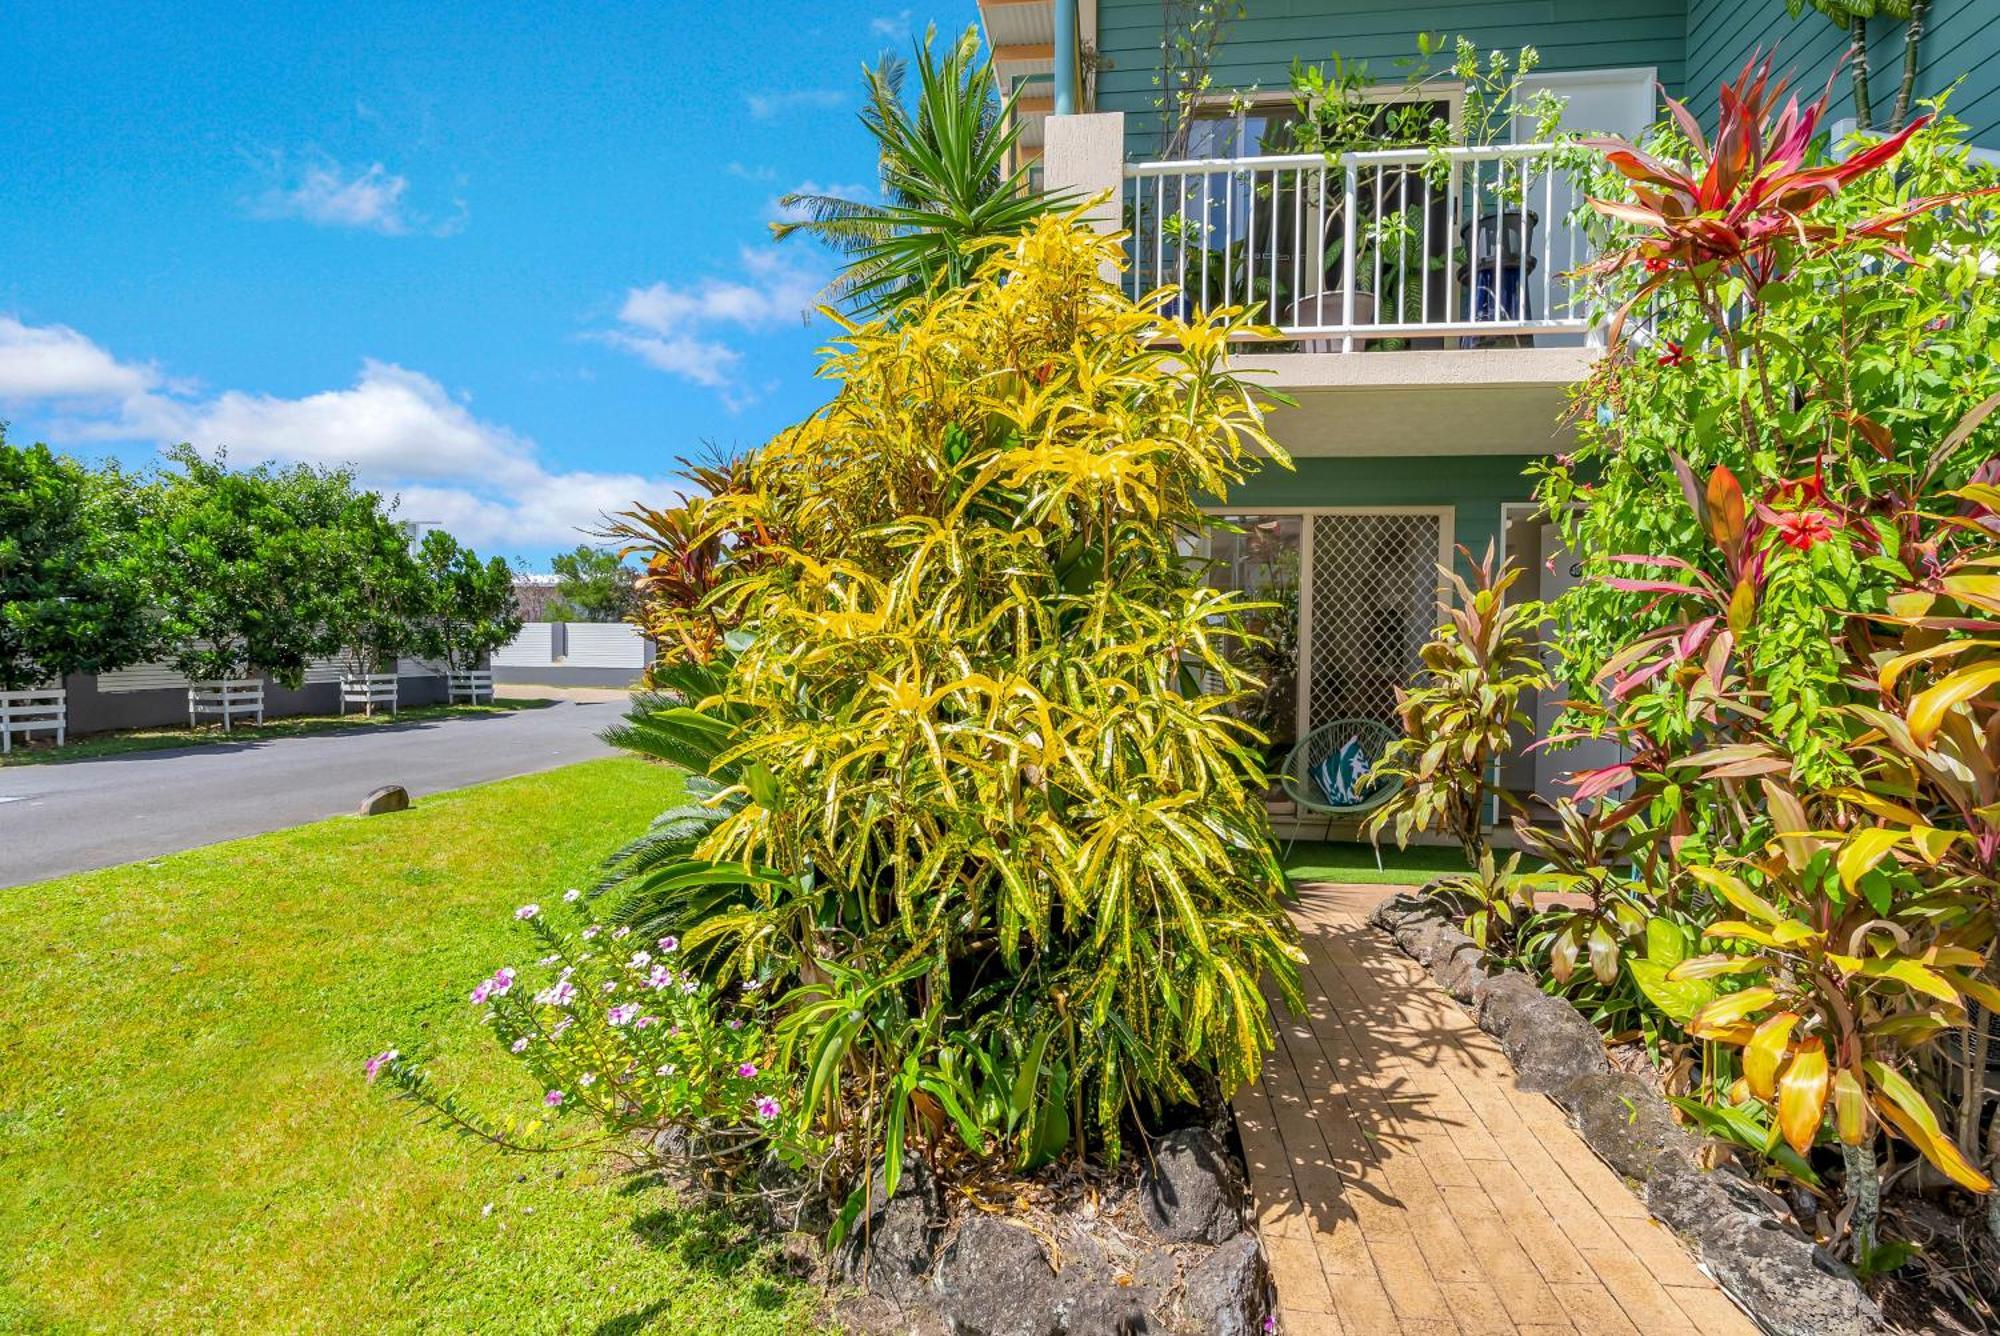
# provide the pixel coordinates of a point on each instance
(1456, 248)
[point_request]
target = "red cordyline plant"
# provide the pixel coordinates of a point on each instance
(1744, 196)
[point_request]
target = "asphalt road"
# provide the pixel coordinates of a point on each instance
(73, 816)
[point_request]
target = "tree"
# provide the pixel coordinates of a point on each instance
(71, 600)
(470, 608)
(252, 568)
(946, 191)
(592, 585)
(1851, 17)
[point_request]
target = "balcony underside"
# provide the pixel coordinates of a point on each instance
(1459, 401)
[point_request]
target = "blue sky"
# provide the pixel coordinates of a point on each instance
(510, 260)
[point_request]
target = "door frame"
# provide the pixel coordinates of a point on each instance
(1447, 519)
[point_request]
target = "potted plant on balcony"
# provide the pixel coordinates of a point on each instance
(1341, 110)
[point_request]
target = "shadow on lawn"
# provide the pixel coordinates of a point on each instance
(698, 1236)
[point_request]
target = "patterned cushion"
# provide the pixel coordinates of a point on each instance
(1339, 776)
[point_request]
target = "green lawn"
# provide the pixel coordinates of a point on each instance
(1315, 860)
(158, 739)
(188, 1144)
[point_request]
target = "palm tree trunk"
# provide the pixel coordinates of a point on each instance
(1857, 54)
(1913, 40)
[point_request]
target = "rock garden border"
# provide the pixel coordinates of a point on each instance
(1782, 1279)
(1168, 1249)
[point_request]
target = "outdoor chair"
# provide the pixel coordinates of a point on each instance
(1325, 769)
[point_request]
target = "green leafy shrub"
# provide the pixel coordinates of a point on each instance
(72, 599)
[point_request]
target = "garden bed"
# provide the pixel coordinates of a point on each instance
(1159, 1243)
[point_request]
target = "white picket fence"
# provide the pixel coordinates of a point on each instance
(469, 686)
(227, 697)
(42, 710)
(368, 690)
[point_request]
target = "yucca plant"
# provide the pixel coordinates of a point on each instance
(947, 186)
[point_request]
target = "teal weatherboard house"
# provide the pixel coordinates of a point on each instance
(1430, 337)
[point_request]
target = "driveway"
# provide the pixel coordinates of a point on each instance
(73, 816)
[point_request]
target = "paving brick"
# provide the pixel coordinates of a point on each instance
(1406, 1186)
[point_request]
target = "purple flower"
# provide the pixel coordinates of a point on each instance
(639, 960)
(547, 961)
(645, 1021)
(610, 986)
(670, 944)
(688, 985)
(482, 992)
(503, 979)
(735, 1022)
(379, 1061)
(561, 1027)
(553, 1099)
(587, 1079)
(589, 932)
(526, 912)
(572, 895)
(747, 1070)
(767, 1108)
(666, 1069)
(621, 934)
(519, 1045)
(558, 994)
(622, 1014)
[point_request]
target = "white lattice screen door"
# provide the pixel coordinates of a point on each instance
(1370, 604)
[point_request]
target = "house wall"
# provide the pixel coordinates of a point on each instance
(1474, 486)
(1259, 48)
(1962, 37)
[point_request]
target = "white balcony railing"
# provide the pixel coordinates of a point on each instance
(1462, 247)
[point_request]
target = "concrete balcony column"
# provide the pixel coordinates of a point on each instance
(1085, 156)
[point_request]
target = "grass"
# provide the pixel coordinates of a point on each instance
(189, 1143)
(159, 739)
(1317, 860)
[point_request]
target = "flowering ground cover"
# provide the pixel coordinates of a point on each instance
(189, 1144)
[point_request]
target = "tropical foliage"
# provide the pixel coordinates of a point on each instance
(467, 605)
(949, 182)
(1460, 716)
(970, 810)
(592, 585)
(1784, 499)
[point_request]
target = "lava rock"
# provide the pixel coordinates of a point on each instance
(388, 798)
(1624, 1120)
(994, 1281)
(1192, 1191)
(1548, 1040)
(1794, 1288)
(891, 1246)
(1229, 1292)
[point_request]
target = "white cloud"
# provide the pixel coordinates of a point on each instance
(322, 192)
(56, 362)
(770, 106)
(891, 25)
(741, 172)
(401, 431)
(672, 328)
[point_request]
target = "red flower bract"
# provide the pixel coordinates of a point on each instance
(1802, 529)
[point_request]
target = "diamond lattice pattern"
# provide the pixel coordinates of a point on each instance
(1374, 604)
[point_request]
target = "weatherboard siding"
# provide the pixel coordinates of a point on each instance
(1259, 48)
(1962, 38)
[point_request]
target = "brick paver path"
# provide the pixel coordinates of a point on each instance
(1404, 1185)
